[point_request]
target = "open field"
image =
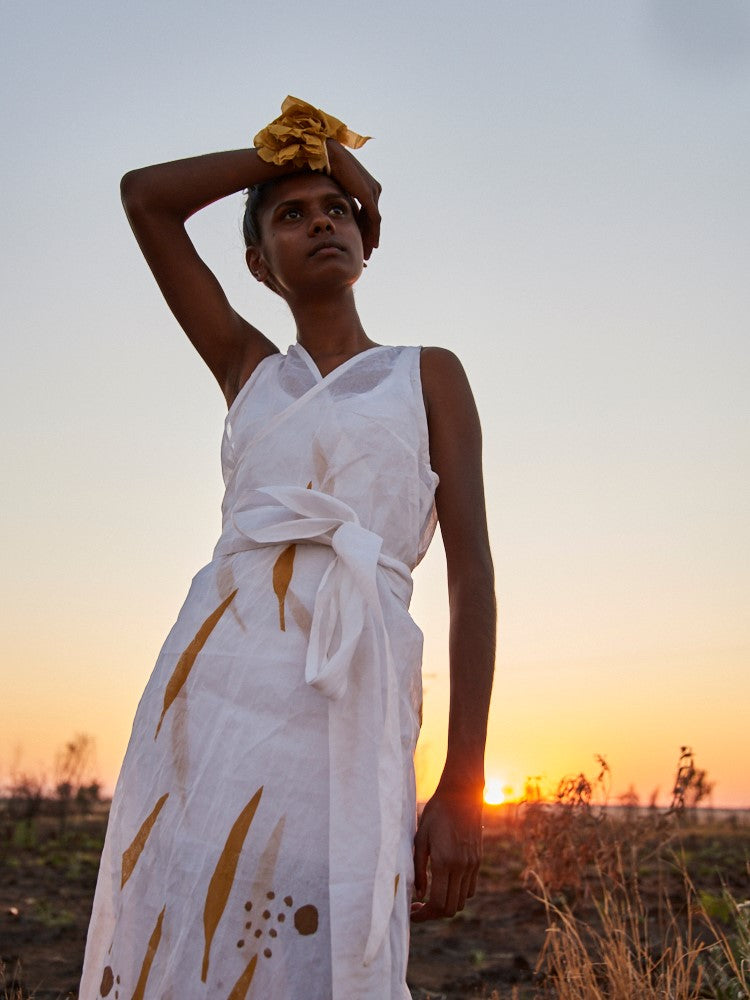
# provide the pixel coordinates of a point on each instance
(580, 856)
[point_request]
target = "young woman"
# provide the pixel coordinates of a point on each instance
(262, 835)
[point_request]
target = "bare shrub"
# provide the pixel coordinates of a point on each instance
(574, 838)
(691, 785)
(25, 796)
(74, 785)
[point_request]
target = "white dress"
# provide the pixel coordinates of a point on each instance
(260, 836)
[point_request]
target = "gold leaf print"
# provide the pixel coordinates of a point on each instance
(320, 462)
(179, 739)
(221, 881)
(108, 981)
(185, 663)
(323, 473)
(131, 855)
(153, 944)
(395, 884)
(266, 867)
(240, 988)
(282, 575)
(300, 614)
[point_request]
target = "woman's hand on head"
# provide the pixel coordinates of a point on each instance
(349, 173)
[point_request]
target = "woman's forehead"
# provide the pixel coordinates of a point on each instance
(302, 186)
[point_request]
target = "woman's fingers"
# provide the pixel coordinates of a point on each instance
(347, 171)
(465, 890)
(472, 881)
(453, 895)
(370, 230)
(421, 854)
(440, 891)
(449, 891)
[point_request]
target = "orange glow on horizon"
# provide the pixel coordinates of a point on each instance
(495, 793)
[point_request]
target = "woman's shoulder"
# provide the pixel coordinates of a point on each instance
(441, 371)
(445, 387)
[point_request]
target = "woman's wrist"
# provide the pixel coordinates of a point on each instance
(462, 779)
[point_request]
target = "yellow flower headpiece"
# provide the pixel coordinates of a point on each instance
(298, 136)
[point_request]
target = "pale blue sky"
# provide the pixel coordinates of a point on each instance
(565, 205)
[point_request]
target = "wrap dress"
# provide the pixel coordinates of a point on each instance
(260, 836)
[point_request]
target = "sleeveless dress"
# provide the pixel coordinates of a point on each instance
(260, 836)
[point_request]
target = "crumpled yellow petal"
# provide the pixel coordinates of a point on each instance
(298, 136)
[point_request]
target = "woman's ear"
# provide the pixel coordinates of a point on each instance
(258, 268)
(256, 264)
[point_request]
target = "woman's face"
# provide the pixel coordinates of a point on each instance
(310, 241)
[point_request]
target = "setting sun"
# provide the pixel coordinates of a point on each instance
(494, 793)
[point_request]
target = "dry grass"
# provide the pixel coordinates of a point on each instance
(690, 946)
(626, 957)
(638, 905)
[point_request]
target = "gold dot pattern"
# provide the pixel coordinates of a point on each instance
(306, 919)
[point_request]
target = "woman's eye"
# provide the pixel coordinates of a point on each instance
(292, 213)
(338, 210)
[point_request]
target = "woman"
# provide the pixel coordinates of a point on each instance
(261, 838)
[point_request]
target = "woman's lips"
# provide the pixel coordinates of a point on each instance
(328, 245)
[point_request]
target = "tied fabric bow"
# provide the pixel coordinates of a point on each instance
(347, 597)
(348, 589)
(298, 136)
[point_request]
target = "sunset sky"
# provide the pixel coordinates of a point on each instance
(565, 204)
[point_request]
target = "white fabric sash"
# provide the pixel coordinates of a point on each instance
(347, 598)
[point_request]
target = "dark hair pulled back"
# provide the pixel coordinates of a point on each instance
(250, 224)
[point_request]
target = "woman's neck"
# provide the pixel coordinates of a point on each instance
(330, 331)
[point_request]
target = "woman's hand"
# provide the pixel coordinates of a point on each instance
(449, 839)
(349, 173)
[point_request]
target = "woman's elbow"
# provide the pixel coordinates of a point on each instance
(133, 187)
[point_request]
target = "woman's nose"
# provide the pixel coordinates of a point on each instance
(320, 222)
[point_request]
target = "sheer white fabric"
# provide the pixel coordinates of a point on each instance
(260, 839)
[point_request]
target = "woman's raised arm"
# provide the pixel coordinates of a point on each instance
(158, 201)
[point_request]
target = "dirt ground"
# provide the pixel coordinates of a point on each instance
(47, 877)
